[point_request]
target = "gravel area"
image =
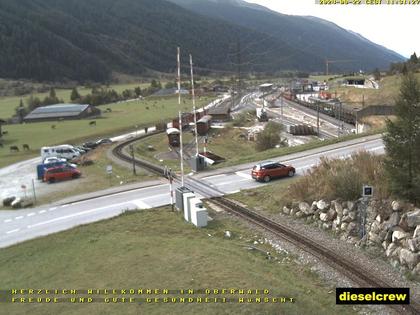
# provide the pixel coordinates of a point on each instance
(368, 260)
(14, 176)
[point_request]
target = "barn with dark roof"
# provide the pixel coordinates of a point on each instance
(61, 112)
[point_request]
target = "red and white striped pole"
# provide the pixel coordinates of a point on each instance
(171, 188)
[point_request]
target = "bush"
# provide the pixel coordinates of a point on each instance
(342, 179)
(269, 137)
(243, 118)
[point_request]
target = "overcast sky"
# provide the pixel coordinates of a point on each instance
(396, 27)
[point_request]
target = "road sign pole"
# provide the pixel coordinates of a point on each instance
(171, 188)
(132, 157)
(33, 190)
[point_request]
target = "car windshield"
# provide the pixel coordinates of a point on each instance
(257, 167)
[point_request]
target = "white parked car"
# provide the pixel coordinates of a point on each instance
(53, 159)
(62, 151)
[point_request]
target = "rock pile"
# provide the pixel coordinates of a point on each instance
(392, 226)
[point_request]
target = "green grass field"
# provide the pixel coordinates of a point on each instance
(9, 103)
(124, 117)
(389, 88)
(227, 144)
(157, 250)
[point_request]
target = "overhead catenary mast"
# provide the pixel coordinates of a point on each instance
(180, 117)
(194, 108)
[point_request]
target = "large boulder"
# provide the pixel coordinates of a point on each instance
(352, 228)
(398, 235)
(413, 218)
(322, 205)
(393, 220)
(375, 238)
(396, 205)
(336, 223)
(351, 205)
(408, 258)
(328, 216)
(371, 213)
(286, 210)
(306, 208)
(416, 232)
(337, 207)
(417, 269)
(391, 249)
(414, 244)
(352, 215)
(375, 227)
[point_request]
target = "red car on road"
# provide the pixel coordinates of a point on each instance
(61, 173)
(265, 171)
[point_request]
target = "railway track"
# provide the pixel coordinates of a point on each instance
(346, 267)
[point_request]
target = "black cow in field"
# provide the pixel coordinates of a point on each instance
(1, 145)
(52, 126)
(5, 132)
(25, 147)
(92, 123)
(14, 148)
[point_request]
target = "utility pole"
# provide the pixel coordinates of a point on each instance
(239, 68)
(193, 100)
(132, 157)
(317, 117)
(180, 117)
(281, 106)
(340, 125)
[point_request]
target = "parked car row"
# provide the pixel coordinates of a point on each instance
(56, 160)
(93, 145)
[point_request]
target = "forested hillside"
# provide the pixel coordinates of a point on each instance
(86, 40)
(319, 38)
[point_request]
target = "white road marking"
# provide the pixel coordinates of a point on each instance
(42, 211)
(214, 176)
(63, 206)
(306, 166)
(142, 205)
(12, 231)
(248, 176)
(76, 215)
(123, 193)
(7, 221)
(230, 182)
(376, 149)
(234, 191)
(152, 197)
(19, 218)
(31, 214)
(52, 209)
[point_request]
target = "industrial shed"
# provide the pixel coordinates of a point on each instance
(220, 113)
(61, 112)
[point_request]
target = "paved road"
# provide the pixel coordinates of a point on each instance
(17, 226)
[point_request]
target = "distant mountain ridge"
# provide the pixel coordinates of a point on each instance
(87, 40)
(319, 38)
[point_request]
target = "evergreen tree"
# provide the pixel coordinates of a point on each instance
(402, 142)
(75, 96)
(53, 95)
(413, 58)
(20, 111)
(137, 91)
